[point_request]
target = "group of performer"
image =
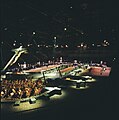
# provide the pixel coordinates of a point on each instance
(20, 88)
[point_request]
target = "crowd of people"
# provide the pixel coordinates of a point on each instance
(11, 89)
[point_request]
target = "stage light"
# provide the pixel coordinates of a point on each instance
(65, 29)
(33, 33)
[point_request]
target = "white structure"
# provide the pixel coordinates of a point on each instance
(15, 57)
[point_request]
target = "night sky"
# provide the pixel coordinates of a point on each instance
(72, 22)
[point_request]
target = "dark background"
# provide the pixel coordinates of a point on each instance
(86, 21)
